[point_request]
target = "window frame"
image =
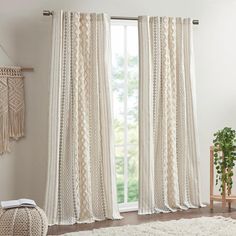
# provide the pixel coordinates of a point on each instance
(126, 206)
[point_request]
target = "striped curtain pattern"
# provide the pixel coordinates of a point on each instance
(169, 177)
(81, 184)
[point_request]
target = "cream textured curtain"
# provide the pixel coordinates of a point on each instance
(81, 174)
(169, 177)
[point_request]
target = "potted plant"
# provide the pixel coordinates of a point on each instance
(224, 158)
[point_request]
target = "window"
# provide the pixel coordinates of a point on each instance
(124, 43)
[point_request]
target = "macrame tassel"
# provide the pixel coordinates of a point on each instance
(16, 107)
(16, 124)
(4, 134)
(4, 128)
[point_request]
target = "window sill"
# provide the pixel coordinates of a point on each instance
(127, 207)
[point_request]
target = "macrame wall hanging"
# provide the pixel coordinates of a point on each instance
(12, 106)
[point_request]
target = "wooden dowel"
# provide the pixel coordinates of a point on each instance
(211, 177)
(229, 190)
(224, 187)
(27, 69)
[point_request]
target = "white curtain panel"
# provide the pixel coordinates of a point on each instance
(169, 177)
(81, 173)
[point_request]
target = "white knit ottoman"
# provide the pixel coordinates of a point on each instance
(23, 221)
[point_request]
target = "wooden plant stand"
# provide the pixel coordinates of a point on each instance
(225, 197)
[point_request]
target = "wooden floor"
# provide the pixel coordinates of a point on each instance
(132, 218)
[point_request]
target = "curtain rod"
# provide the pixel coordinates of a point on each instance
(50, 13)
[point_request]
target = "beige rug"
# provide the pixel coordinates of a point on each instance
(204, 226)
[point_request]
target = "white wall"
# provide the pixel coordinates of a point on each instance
(26, 35)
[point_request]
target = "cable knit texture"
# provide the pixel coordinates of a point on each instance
(23, 221)
(169, 177)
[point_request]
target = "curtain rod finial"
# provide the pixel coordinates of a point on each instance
(47, 13)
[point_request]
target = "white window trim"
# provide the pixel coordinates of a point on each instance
(124, 22)
(127, 207)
